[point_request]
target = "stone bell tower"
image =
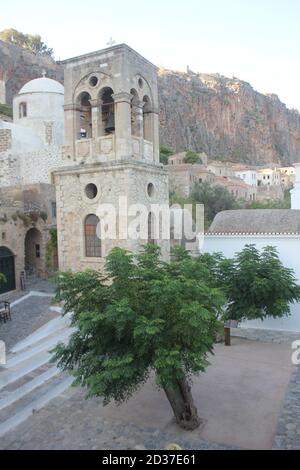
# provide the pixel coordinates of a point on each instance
(111, 149)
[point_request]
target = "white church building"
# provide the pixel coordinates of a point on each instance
(31, 146)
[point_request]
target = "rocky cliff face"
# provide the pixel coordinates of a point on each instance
(18, 66)
(227, 119)
(223, 117)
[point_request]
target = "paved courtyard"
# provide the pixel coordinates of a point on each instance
(247, 399)
(28, 315)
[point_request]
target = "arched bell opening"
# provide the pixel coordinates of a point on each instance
(107, 112)
(84, 116)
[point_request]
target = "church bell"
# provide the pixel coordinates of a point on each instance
(110, 124)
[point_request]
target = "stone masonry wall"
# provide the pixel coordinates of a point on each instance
(112, 181)
(5, 140)
(9, 169)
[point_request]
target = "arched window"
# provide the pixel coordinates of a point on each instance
(92, 241)
(107, 112)
(147, 119)
(22, 110)
(84, 116)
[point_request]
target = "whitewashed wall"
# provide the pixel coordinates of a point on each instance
(288, 247)
(295, 192)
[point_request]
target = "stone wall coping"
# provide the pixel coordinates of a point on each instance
(118, 165)
(251, 234)
(99, 53)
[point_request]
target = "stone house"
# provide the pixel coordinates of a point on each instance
(179, 158)
(268, 176)
(237, 187)
(246, 173)
(27, 215)
(288, 176)
(183, 177)
(221, 168)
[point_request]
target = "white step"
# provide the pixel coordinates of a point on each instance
(35, 405)
(47, 344)
(46, 330)
(15, 373)
(12, 396)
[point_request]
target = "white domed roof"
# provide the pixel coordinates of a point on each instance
(42, 85)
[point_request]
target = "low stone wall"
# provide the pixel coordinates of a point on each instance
(273, 336)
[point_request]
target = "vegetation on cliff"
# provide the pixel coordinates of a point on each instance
(32, 42)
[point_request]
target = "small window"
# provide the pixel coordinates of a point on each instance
(22, 110)
(93, 81)
(91, 190)
(150, 189)
(3, 236)
(37, 251)
(53, 209)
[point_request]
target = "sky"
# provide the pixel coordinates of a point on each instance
(255, 40)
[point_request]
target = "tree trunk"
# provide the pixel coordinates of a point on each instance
(182, 403)
(227, 336)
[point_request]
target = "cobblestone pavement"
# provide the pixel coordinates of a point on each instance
(27, 316)
(40, 285)
(71, 422)
(288, 430)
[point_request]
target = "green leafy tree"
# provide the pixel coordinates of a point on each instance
(192, 157)
(215, 198)
(164, 154)
(2, 279)
(256, 285)
(31, 42)
(145, 315)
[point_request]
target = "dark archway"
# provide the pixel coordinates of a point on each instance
(7, 267)
(33, 247)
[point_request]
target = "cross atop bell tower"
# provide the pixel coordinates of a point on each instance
(111, 107)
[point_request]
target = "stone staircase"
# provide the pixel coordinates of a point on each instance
(28, 381)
